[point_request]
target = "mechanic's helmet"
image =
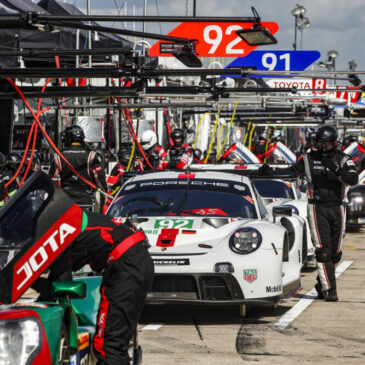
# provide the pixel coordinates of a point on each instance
(263, 135)
(35, 160)
(177, 136)
(2, 161)
(73, 134)
(198, 154)
(326, 138)
(14, 159)
(148, 140)
(277, 136)
(212, 156)
(124, 153)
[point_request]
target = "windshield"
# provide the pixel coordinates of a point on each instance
(184, 197)
(274, 189)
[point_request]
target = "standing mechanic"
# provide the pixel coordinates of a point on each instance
(106, 244)
(181, 155)
(328, 170)
(87, 163)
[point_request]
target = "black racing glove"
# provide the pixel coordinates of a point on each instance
(331, 165)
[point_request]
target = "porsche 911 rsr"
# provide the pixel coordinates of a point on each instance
(278, 192)
(355, 204)
(212, 238)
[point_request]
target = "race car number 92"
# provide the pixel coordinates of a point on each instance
(174, 223)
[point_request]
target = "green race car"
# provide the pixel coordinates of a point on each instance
(36, 225)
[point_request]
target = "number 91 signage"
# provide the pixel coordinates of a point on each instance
(215, 40)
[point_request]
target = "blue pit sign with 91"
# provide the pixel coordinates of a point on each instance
(277, 60)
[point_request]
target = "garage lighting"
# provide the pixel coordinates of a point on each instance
(257, 35)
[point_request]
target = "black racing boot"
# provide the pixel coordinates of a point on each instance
(331, 295)
(319, 290)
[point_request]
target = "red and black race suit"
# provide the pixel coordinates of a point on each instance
(327, 176)
(87, 164)
(260, 148)
(128, 275)
(180, 157)
(157, 158)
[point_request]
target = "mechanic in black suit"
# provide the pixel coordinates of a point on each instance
(121, 254)
(328, 171)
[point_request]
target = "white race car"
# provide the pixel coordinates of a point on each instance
(275, 192)
(213, 242)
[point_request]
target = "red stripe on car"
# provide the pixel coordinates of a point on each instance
(186, 176)
(167, 237)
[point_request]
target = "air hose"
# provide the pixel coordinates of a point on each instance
(52, 143)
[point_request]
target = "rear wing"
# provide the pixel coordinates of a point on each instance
(37, 225)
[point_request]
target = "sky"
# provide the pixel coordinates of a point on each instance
(335, 24)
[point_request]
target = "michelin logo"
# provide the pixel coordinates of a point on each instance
(171, 262)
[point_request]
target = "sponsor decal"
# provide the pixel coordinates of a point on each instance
(250, 275)
(247, 197)
(46, 250)
(174, 223)
(177, 262)
(288, 184)
(273, 289)
(150, 231)
(167, 237)
(119, 220)
(239, 187)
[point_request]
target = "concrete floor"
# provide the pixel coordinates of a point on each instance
(325, 333)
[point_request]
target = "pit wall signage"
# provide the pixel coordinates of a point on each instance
(214, 39)
(309, 84)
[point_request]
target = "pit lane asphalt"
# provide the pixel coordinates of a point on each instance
(324, 333)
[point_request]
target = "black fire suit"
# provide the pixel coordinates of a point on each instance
(128, 275)
(327, 177)
(87, 163)
(180, 157)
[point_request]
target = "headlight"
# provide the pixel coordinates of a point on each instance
(20, 340)
(245, 240)
(293, 208)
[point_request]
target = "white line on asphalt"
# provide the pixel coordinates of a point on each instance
(303, 303)
(152, 327)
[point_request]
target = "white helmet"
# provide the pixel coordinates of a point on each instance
(148, 140)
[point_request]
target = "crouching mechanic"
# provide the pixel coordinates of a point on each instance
(107, 245)
(328, 170)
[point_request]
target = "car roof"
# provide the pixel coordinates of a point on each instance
(192, 175)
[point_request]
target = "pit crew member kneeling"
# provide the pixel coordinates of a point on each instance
(107, 245)
(328, 170)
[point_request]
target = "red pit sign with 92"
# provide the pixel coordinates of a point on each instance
(214, 40)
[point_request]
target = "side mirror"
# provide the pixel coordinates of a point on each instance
(281, 210)
(70, 289)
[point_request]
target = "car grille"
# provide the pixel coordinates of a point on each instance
(214, 287)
